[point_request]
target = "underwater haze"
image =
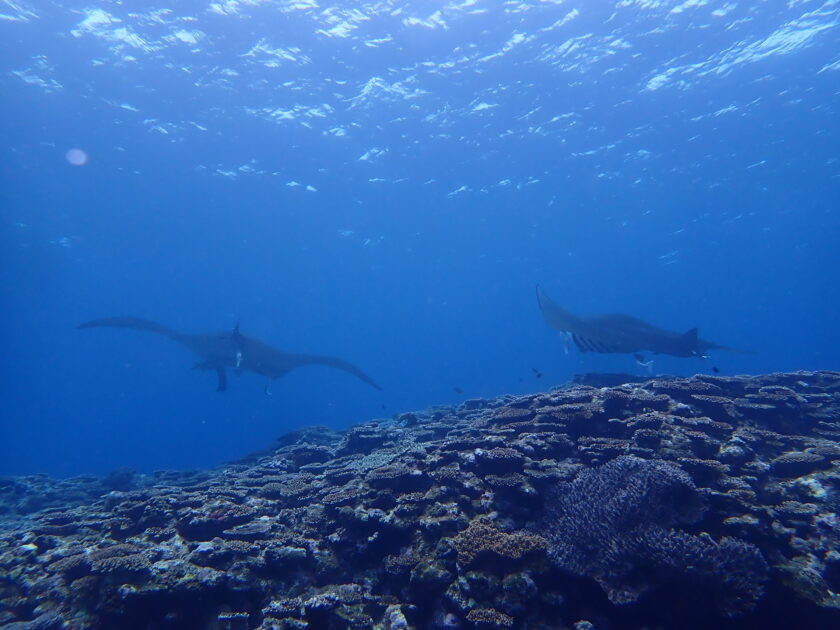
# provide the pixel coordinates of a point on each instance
(387, 182)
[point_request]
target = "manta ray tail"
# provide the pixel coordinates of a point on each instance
(703, 346)
(135, 323)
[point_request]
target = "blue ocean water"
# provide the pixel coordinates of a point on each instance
(387, 182)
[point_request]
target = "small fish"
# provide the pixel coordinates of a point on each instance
(640, 359)
(536, 372)
(457, 390)
(715, 370)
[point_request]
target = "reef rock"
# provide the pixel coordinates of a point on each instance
(670, 503)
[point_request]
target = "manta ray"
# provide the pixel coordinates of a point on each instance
(623, 334)
(232, 349)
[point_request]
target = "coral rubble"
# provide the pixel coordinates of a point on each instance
(670, 503)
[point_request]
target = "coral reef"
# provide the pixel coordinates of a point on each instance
(670, 503)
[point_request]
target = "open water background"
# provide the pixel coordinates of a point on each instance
(386, 182)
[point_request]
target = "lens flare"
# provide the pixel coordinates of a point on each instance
(76, 157)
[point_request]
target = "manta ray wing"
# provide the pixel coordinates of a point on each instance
(557, 317)
(595, 334)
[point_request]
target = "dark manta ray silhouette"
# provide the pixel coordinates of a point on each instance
(232, 349)
(623, 334)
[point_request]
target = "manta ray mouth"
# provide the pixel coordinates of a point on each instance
(587, 344)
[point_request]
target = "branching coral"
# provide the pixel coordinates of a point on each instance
(615, 524)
